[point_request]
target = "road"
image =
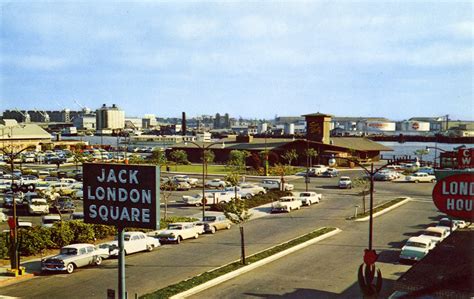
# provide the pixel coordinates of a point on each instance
(146, 272)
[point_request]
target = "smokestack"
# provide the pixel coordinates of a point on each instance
(183, 124)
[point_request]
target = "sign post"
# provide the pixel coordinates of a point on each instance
(123, 196)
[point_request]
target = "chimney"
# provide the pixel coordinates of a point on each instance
(183, 124)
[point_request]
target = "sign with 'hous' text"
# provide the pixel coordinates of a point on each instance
(122, 195)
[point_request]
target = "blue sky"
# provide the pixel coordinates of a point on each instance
(395, 59)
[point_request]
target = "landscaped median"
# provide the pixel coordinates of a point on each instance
(214, 277)
(381, 209)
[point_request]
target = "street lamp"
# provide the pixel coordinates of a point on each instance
(366, 276)
(203, 148)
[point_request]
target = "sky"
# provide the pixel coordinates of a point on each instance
(255, 59)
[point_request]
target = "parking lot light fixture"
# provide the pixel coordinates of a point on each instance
(203, 148)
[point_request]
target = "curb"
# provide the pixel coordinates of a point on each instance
(12, 280)
(233, 274)
(407, 199)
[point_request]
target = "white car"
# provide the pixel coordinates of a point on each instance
(275, 184)
(179, 231)
(246, 193)
(191, 181)
(309, 198)
(255, 189)
(3, 217)
(345, 182)
(436, 234)
(50, 220)
(317, 169)
(420, 177)
(286, 204)
(134, 242)
(38, 206)
(71, 257)
(416, 248)
(216, 183)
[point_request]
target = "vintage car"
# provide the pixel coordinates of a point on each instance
(215, 222)
(191, 181)
(286, 204)
(177, 232)
(212, 198)
(272, 184)
(416, 248)
(50, 220)
(436, 234)
(345, 182)
(38, 206)
(71, 257)
(420, 177)
(216, 183)
(134, 242)
(309, 198)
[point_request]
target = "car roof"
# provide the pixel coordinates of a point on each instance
(345, 177)
(52, 217)
(419, 239)
(79, 245)
(438, 229)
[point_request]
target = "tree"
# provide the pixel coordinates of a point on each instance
(158, 157)
(209, 157)
(166, 190)
(311, 153)
(78, 156)
(237, 212)
(179, 156)
(237, 159)
(290, 155)
(234, 179)
(136, 159)
(421, 153)
(363, 184)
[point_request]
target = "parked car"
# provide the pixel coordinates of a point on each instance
(420, 177)
(436, 234)
(213, 223)
(330, 173)
(3, 217)
(135, 242)
(309, 198)
(76, 216)
(64, 204)
(216, 183)
(428, 170)
(71, 257)
(416, 248)
(345, 182)
(38, 206)
(241, 193)
(317, 170)
(275, 184)
(212, 198)
(50, 220)
(177, 232)
(255, 189)
(386, 175)
(286, 204)
(191, 181)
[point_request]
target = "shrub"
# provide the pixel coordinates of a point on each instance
(103, 231)
(4, 243)
(82, 232)
(61, 234)
(34, 240)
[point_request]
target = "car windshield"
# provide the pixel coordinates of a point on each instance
(209, 218)
(416, 244)
(345, 179)
(50, 221)
(104, 246)
(69, 251)
(305, 194)
(174, 226)
(434, 234)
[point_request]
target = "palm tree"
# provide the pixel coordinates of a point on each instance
(290, 156)
(311, 153)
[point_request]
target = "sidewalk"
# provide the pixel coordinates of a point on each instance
(33, 268)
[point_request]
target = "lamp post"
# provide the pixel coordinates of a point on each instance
(12, 155)
(368, 270)
(203, 148)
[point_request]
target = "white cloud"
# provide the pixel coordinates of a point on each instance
(36, 62)
(257, 27)
(194, 28)
(463, 29)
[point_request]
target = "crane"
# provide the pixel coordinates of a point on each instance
(67, 115)
(44, 114)
(83, 108)
(26, 115)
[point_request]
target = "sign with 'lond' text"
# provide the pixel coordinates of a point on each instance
(454, 195)
(121, 195)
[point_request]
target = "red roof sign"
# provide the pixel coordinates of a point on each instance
(454, 195)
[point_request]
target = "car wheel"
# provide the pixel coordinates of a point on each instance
(178, 240)
(149, 247)
(196, 236)
(433, 180)
(248, 196)
(261, 193)
(416, 181)
(213, 230)
(98, 261)
(70, 268)
(228, 226)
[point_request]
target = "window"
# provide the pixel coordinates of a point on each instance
(90, 249)
(82, 251)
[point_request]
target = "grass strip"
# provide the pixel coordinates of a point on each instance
(378, 208)
(206, 276)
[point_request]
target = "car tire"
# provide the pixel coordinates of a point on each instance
(248, 196)
(178, 240)
(98, 261)
(228, 226)
(213, 229)
(196, 236)
(149, 248)
(70, 268)
(433, 180)
(416, 181)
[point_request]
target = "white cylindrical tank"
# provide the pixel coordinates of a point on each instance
(263, 127)
(289, 129)
(415, 126)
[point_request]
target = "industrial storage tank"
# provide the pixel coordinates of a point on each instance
(289, 129)
(263, 127)
(380, 126)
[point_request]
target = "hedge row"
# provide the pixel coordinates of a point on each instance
(34, 240)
